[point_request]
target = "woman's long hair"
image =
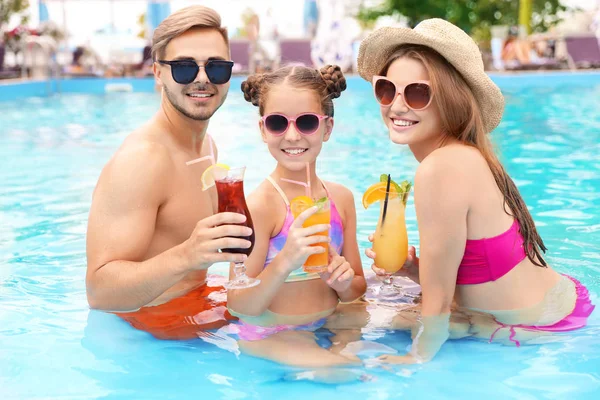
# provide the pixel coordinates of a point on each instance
(461, 119)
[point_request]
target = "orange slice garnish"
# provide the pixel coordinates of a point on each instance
(376, 192)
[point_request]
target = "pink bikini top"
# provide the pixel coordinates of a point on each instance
(486, 260)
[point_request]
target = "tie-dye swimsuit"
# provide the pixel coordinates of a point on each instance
(277, 242)
(269, 323)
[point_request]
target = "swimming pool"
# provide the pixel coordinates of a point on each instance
(51, 346)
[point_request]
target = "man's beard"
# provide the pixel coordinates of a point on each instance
(201, 115)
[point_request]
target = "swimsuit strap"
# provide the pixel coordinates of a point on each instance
(282, 193)
(279, 190)
(326, 189)
(512, 333)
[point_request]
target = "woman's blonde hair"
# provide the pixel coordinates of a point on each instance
(461, 118)
(182, 21)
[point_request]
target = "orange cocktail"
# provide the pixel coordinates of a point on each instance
(316, 262)
(390, 241)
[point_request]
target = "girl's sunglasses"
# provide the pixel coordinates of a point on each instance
(306, 124)
(185, 71)
(417, 95)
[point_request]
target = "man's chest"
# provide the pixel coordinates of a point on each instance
(186, 204)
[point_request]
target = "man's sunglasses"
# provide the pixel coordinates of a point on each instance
(185, 71)
(417, 95)
(306, 124)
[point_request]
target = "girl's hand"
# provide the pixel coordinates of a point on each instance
(410, 269)
(298, 247)
(339, 273)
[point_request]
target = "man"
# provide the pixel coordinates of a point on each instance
(152, 231)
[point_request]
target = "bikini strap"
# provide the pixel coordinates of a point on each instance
(512, 333)
(279, 190)
(326, 189)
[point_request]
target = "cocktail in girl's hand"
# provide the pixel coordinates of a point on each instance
(316, 262)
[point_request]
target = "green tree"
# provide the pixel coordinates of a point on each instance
(472, 16)
(8, 8)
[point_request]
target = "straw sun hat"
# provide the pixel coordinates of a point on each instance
(448, 40)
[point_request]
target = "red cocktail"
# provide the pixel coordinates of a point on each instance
(230, 188)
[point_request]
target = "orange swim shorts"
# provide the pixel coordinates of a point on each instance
(201, 309)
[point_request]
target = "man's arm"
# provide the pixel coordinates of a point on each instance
(121, 227)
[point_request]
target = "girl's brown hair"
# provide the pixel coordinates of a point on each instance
(461, 118)
(328, 83)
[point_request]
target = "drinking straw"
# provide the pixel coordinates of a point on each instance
(306, 185)
(385, 202)
(308, 180)
(210, 157)
(197, 160)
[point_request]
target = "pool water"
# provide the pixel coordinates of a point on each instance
(52, 346)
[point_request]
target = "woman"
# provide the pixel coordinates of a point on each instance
(479, 244)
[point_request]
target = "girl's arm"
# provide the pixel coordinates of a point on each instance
(350, 252)
(256, 300)
(441, 202)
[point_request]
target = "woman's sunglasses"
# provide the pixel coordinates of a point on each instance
(417, 95)
(306, 124)
(185, 71)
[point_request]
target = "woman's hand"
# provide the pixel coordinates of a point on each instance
(298, 247)
(393, 359)
(339, 273)
(410, 269)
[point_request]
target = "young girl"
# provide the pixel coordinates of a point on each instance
(479, 244)
(278, 315)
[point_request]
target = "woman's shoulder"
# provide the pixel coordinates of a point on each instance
(450, 168)
(449, 160)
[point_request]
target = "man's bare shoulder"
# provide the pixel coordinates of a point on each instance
(142, 149)
(140, 163)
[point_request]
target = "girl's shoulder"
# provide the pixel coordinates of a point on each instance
(339, 191)
(263, 200)
(343, 199)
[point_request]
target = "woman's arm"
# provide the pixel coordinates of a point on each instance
(441, 202)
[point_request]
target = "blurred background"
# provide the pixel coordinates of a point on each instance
(50, 38)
